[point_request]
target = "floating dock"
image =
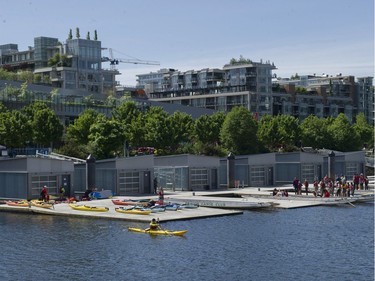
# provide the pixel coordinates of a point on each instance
(211, 204)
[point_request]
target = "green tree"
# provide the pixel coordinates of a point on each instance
(26, 76)
(95, 35)
(344, 136)
(37, 78)
(88, 35)
(7, 75)
(206, 133)
(70, 36)
(32, 108)
(281, 131)
(127, 115)
(59, 60)
(3, 108)
(77, 33)
(157, 128)
(135, 133)
(126, 112)
(15, 129)
(106, 138)
(364, 130)
(314, 132)
(47, 128)
(79, 131)
(239, 132)
(180, 127)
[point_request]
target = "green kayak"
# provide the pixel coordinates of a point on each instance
(158, 231)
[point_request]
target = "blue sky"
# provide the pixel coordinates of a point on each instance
(298, 36)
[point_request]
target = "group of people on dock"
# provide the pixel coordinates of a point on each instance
(328, 187)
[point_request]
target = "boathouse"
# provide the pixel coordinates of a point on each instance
(271, 169)
(187, 172)
(123, 176)
(24, 177)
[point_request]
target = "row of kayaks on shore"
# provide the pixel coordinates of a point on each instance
(133, 210)
(125, 210)
(25, 203)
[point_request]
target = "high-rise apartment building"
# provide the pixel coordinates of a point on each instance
(248, 84)
(252, 85)
(79, 68)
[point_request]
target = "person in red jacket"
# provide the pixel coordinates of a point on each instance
(44, 194)
(326, 193)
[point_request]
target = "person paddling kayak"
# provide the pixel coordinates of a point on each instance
(154, 225)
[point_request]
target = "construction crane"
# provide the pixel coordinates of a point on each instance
(113, 62)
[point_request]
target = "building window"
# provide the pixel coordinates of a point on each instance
(128, 182)
(37, 183)
(351, 170)
(307, 172)
(257, 176)
(198, 178)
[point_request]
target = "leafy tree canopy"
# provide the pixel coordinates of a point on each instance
(239, 132)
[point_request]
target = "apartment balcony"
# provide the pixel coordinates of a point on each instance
(251, 74)
(55, 77)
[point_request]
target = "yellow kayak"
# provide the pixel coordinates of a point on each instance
(41, 204)
(158, 231)
(133, 211)
(22, 203)
(88, 208)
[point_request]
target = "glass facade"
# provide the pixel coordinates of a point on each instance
(308, 172)
(351, 170)
(199, 179)
(37, 183)
(174, 178)
(257, 175)
(43, 50)
(128, 182)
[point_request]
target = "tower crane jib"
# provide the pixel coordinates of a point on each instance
(115, 61)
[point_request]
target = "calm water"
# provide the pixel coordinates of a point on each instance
(320, 243)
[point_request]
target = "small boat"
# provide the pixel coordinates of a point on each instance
(130, 202)
(41, 204)
(21, 203)
(134, 211)
(88, 208)
(158, 231)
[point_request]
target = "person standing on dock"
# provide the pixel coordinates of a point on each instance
(44, 194)
(295, 185)
(155, 185)
(161, 196)
(306, 184)
(62, 192)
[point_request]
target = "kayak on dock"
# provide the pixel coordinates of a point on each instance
(41, 204)
(134, 211)
(130, 202)
(22, 203)
(88, 208)
(158, 231)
